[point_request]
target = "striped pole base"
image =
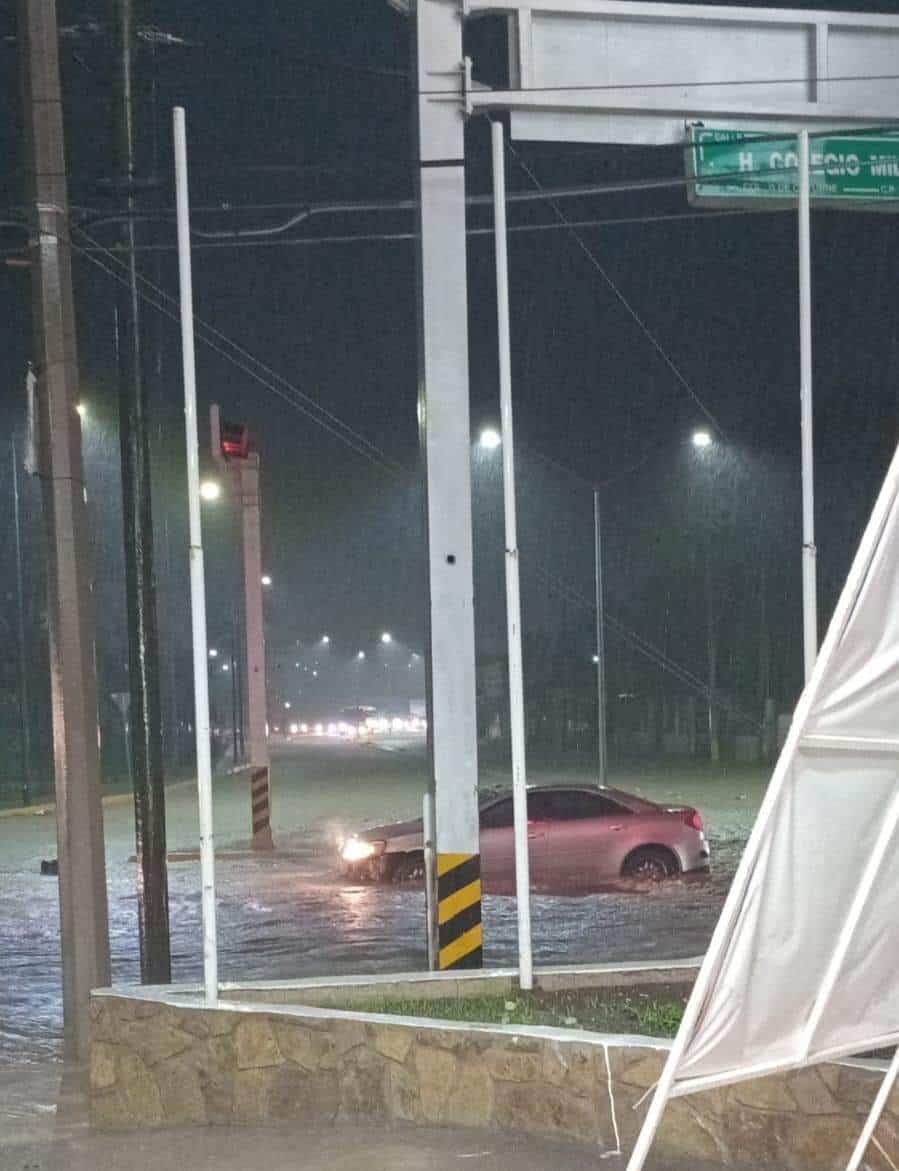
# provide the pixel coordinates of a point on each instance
(262, 812)
(460, 933)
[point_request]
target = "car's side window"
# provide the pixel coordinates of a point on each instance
(541, 806)
(579, 806)
(498, 816)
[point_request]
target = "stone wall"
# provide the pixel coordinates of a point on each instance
(157, 1063)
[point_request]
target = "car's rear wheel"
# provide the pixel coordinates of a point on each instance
(650, 864)
(408, 868)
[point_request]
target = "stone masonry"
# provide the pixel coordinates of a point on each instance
(155, 1063)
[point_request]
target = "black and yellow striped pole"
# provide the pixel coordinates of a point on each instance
(459, 927)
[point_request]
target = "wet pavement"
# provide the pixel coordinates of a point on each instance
(290, 914)
(69, 1146)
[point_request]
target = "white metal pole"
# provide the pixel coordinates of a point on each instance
(513, 593)
(428, 837)
(197, 573)
(883, 1096)
(809, 572)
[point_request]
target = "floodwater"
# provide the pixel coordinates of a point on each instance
(289, 914)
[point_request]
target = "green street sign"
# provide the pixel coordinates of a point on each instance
(746, 166)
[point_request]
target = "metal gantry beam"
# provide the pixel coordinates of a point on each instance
(609, 71)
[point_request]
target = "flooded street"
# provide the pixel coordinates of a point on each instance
(290, 914)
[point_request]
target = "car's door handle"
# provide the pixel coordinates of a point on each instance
(616, 828)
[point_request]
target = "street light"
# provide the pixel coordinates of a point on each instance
(325, 640)
(81, 410)
(226, 667)
(266, 580)
(702, 438)
(490, 439)
(213, 653)
(386, 637)
(361, 655)
(210, 490)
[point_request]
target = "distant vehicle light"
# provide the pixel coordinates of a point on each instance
(294, 729)
(304, 729)
(319, 729)
(333, 730)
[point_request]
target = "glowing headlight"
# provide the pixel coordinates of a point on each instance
(356, 850)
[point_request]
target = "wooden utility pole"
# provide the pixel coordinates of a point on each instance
(79, 816)
(140, 584)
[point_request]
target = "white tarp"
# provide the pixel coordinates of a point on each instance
(805, 961)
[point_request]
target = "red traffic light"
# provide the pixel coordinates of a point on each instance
(235, 440)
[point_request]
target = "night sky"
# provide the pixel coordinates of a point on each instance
(289, 103)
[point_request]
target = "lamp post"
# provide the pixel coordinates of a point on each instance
(489, 440)
(601, 741)
(702, 440)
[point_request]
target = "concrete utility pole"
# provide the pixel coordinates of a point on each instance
(231, 451)
(251, 526)
(446, 439)
(145, 716)
(79, 817)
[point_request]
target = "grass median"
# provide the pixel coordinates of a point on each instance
(655, 1014)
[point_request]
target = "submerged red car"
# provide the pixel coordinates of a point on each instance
(579, 836)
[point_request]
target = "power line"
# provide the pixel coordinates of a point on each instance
(726, 83)
(644, 328)
(255, 368)
(400, 237)
(659, 657)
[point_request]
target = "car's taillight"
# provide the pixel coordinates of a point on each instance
(693, 818)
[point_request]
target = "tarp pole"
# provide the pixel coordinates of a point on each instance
(513, 592)
(809, 552)
(883, 1096)
(197, 572)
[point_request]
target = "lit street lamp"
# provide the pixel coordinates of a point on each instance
(490, 439)
(702, 439)
(361, 655)
(213, 653)
(210, 490)
(325, 640)
(386, 637)
(266, 579)
(81, 410)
